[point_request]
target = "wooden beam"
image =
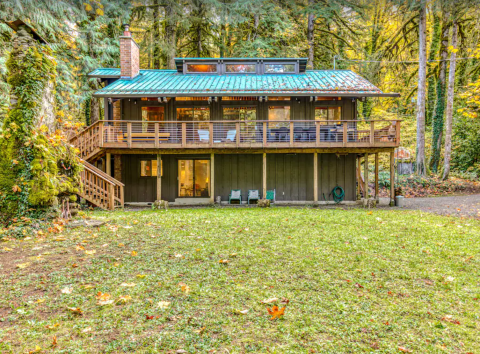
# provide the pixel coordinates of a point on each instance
(365, 176)
(157, 142)
(108, 164)
(159, 177)
(212, 178)
(264, 176)
(377, 198)
(129, 134)
(315, 177)
(291, 134)
(357, 172)
(392, 179)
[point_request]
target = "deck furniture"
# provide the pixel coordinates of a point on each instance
(231, 135)
(253, 194)
(142, 137)
(270, 196)
(203, 135)
(235, 194)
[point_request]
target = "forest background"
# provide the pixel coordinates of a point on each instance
(378, 39)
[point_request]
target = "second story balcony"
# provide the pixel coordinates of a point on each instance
(253, 134)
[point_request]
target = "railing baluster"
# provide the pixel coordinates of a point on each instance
(345, 132)
(264, 133)
(101, 134)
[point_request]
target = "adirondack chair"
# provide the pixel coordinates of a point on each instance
(253, 195)
(270, 196)
(235, 194)
(203, 135)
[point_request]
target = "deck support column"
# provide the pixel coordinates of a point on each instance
(212, 178)
(365, 176)
(159, 177)
(264, 176)
(315, 177)
(392, 179)
(358, 174)
(108, 164)
(377, 197)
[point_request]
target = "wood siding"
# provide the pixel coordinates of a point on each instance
(237, 172)
(336, 170)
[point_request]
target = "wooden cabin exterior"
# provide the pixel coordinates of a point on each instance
(214, 125)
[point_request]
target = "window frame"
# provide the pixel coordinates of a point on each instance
(224, 68)
(151, 164)
(188, 158)
(217, 65)
(294, 63)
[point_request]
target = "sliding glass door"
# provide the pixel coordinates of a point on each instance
(194, 178)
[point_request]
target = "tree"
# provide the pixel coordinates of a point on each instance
(422, 71)
(450, 97)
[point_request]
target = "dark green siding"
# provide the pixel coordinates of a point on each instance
(237, 172)
(336, 170)
(137, 189)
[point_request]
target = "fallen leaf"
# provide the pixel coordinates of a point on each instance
(103, 299)
(184, 287)
(23, 265)
(88, 329)
(90, 252)
(67, 290)
(200, 331)
(39, 301)
(134, 253)
(79, 248)
(241, 312)
(56, 325)
(54, 341)
(128, 285)
(269, 301)
(36, 350)
(16, 189)
(163, 304)
(223, 261)
(141, 276)
(123, 299)
(75, 310)
(177, 255)
(404, 350)
(276, 312)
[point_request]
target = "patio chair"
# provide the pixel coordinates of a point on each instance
(203, 135)
(231, 135)
(235, 194)
(270, 196)
(253, 195)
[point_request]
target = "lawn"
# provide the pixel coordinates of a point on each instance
(356, 280)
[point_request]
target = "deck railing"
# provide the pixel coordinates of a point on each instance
(239, 134)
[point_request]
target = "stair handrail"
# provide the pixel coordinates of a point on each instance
(91, 168)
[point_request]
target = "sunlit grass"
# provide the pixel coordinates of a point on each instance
(357, 280)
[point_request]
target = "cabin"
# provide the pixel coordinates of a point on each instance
(216, 125)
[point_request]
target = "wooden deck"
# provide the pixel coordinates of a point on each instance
(296, 135)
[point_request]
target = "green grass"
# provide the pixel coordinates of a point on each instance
(357, 281)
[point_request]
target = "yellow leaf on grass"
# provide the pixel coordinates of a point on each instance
(75, 310)
(16, 189)
(123, 299)
(134, 253)
(276, 312)
(36, 350)
(90, 252)
(23, 265)
(270, 300)
(223, 261)
(141, 276)
(67, 290)
(39, 301)
(103, 299)
(163, 304)
(79, 248)
(129, 285)
(56, 325)
(184, 287)
(7, 249)
(200, 331)
(54, 341)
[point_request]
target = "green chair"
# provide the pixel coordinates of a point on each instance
(253, 195)
(270, 196)
(235, 194)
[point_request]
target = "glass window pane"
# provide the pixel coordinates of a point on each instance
(185, 178)
(240, 68)
(202, 178)
(278, 113)
(201, 68)
(279, 68)
(153, 114)
(279, 98)
(239, 113)
(148, 168)
(237, 98)
(328, 113)
(191, 98)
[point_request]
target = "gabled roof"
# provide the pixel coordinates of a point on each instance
(170, 83)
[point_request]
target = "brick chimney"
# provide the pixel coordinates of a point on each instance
(129, 55)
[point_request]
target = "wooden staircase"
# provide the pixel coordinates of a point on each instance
(98, 188)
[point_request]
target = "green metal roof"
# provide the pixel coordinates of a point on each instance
(170, 83)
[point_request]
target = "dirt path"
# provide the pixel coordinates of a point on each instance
(463, 205)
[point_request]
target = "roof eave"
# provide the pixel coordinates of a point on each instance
(212, 94)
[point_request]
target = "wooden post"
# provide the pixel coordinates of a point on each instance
(345, 132)
(392, 179)
(264, 133)
(291, 134)
(377, 198)
(315, 177)
(184, 134)
(212, 178)
(397, 136)
(357, 173)
(210, 134)
(129, 134)
(365, 176)
(317, 134)
(100, 142)
(159, 177)
(372, 133)
(108, 164)
(237, 135)
(157, 142)
(264, 176)
(122, 196)
(111, 196)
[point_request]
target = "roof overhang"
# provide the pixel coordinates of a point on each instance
(273, 94)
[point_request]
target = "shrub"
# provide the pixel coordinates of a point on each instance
(264, 203)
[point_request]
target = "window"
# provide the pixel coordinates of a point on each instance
(194, 178)
(201, 68)
(193, 114)
(279, 68)
(148, 168)
(328, 113)
(191, 98)
(279, 98)
(276, 113)
(239, 113)
(153, 114)
(238, 98)
(240, 68)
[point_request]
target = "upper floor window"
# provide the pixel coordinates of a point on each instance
(279, 68)
(201, 68)
(191, 98)
(240, 68)
(153, 113)
(328, 113)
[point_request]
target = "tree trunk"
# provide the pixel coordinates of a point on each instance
(256, 23)
(310, 28)
(170, 34)
(156, 34)
(450, 96)
(437, 128)
(431, 75)
(422, 73)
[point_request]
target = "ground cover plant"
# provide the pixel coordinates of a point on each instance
(209, 280)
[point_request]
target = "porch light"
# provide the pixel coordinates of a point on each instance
(313, 98)
(109, 100)
(214, 99)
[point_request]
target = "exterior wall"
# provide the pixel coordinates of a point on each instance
(301, 108)
(291, 175)
(336, 170)
(242, 171)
